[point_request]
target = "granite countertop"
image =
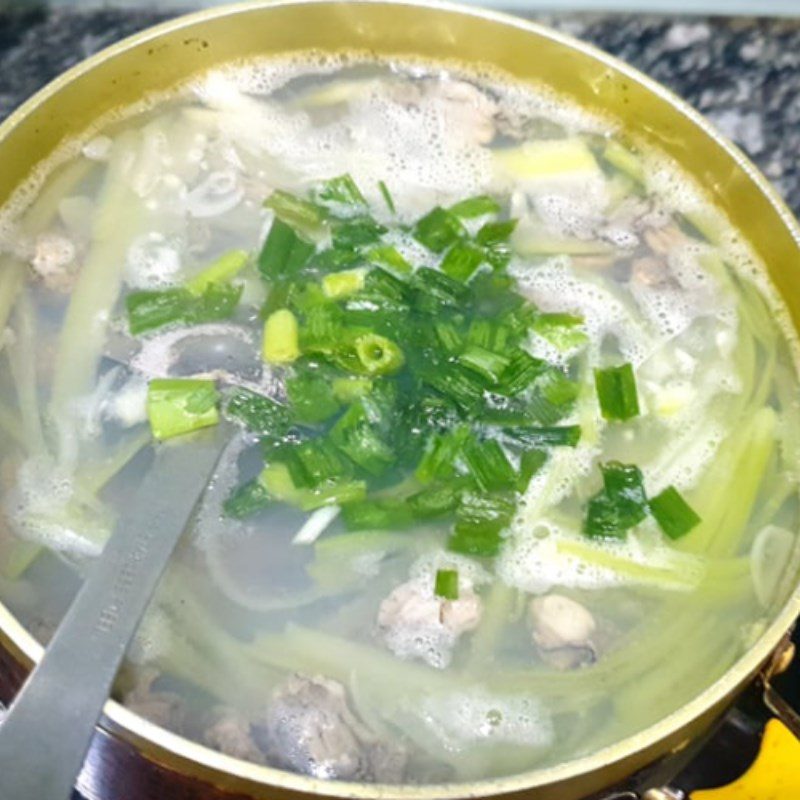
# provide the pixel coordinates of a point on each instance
(743, 74)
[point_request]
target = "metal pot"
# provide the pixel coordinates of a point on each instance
(132, 757)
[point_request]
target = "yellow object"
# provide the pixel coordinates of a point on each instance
(280, 344)
(547, 158)
(343, 284)
(223, 269)
(774, 775)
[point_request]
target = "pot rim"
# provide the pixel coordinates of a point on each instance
(151, 738)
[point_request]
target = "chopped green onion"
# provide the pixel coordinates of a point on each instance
(460, 385)
(378, 355)
(224, 269)
(341, 191)
(554, 436)
(314, 463)
(480, 519)
(620, 505)
(357, 232)
(488, 365)
(530, 462)
(439, 229)
(436, 291)
(148, 310)
(285, 252)
(475, 207)
(180, 405)
(448, 336)
(311, 397)
(494, 233)
(616, 391)
(521, 372)
(362, 441)
(280, 342)
(563, 331)
(673, 514)
(347, 390)
(343, 284)
(277, 480)
(461, 261)
(446, 584)
(390, 258)
(387, 197)
(434, 501)
(376, 515)
(382, 285)
(440, 454)
(300, 214)
(488, 464)
(258, 413)
(246, 500)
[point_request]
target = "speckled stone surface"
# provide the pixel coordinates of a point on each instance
(743, 74)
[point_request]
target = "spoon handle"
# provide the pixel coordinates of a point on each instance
(49, 727)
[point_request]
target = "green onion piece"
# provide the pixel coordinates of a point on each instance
(385, 514)
(258, 413)
(357, 232)
(563, 331)
(334, 259)
(530, 462)
(616, 391)
(433, 501)
(522, 370)
(448, 336)
(246, 500)
(488, 365)
(439, 229)
(390, 258)
(383, 286)
(224, 269)
(218, 301)
(277, 480)
(378, 355)
(493, 233)
(462, 386)
(362, 441)
(475, 207)
(554, 436)
(302, 215)
(446, 584)
(348, 390)
(284, 252)
(148, 310)
(280, 342)
(176, 406)
(311, 397)
(440, 455)
(343, 284)
(489, 465)
(387, 197)
(341, 191)
(436, 291)
(620, 505)
(493, 237)
(323, 330)
(480, 519)
(461, 261)
(673, 514)
(313, 463)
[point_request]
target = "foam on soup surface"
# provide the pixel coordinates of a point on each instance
(513, 418)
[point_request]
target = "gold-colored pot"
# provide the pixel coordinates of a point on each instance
(156, 60)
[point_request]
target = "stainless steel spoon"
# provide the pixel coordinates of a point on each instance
(48, 729)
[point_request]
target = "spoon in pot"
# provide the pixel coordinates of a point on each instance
(46, 734)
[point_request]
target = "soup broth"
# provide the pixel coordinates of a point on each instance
(512, 415)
